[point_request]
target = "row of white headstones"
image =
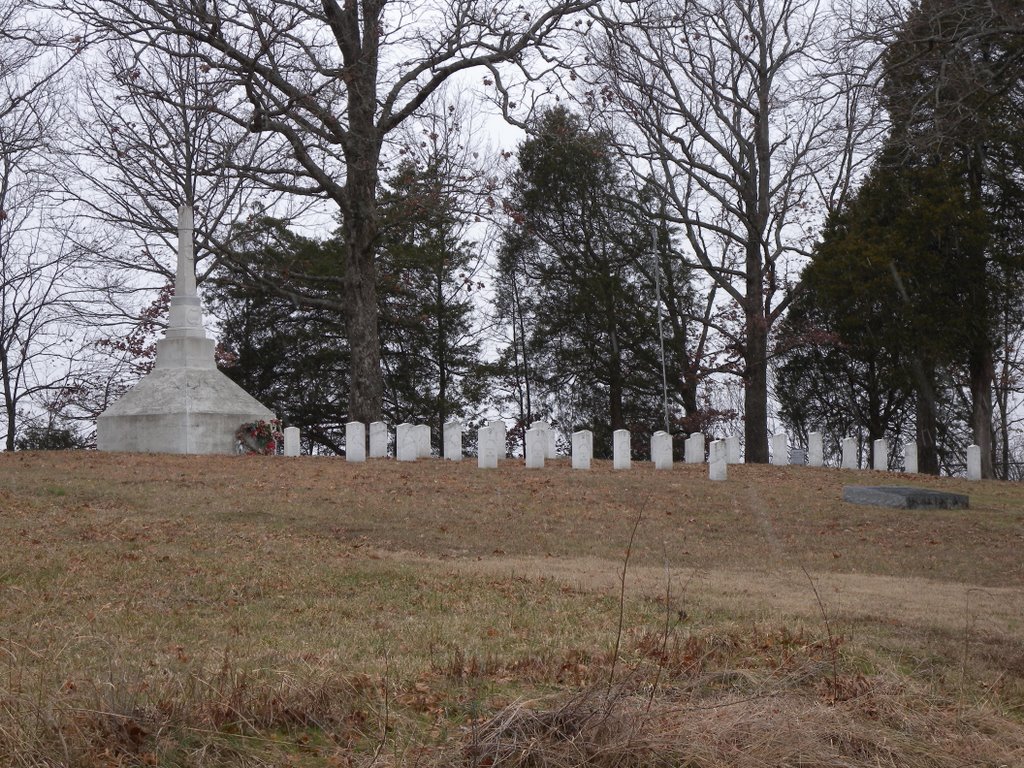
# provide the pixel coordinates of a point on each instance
(412, 441)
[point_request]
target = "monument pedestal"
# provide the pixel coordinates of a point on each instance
(184, 405)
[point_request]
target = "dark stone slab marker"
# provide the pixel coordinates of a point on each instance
(903, 497)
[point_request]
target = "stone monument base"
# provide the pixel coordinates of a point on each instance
(179, 410)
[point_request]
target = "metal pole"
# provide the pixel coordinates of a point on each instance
(661, 329)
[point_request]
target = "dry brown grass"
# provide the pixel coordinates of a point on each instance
(248, 611)
(885, 725)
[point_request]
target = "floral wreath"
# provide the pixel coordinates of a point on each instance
(259, 438)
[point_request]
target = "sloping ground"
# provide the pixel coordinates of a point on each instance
(180, 610)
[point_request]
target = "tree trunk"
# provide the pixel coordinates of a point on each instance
(927, 430)
(359, 227)
(366, 386)
(1001, 396)
(522, 374)
(980, 363)
(759, 197)
(981, 370)
(440, 355)
(876, 421)
(9, 405)
(688, 391)
(755, 396)
(358, 41)
(615, 387)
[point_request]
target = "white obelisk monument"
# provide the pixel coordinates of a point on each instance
(184, 405)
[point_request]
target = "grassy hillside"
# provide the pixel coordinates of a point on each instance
(169, 610)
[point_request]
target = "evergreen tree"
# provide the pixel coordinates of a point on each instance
(880, 316)
(912, 288)
(283, 335)
(427, 275)
(276, 341)
(575, 288)
(952, 85)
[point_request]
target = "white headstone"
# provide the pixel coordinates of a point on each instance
(880, 452)
(815, 450)
(973, 462)
(453, 440)
(661, 450)
(501, 430)
(780, 449)
(693, 451)
(718, 460)
(378, 440)
(405, 442)
(549, 437)
(488, 440)
(291, 441)
(910, 458)
(423, 448)
(620, 449)
(355, 441)
(732, 449)
(849, 453)
(582, 449)
(536, 447)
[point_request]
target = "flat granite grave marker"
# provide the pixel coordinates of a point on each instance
(903, 497)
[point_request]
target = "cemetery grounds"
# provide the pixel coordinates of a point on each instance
(229, 611)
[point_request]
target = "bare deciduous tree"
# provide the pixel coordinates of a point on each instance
(743, 114)
(147, 137)
(38, 265)
(953, 77)
(332, 81)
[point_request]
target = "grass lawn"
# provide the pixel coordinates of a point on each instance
(247, 611)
